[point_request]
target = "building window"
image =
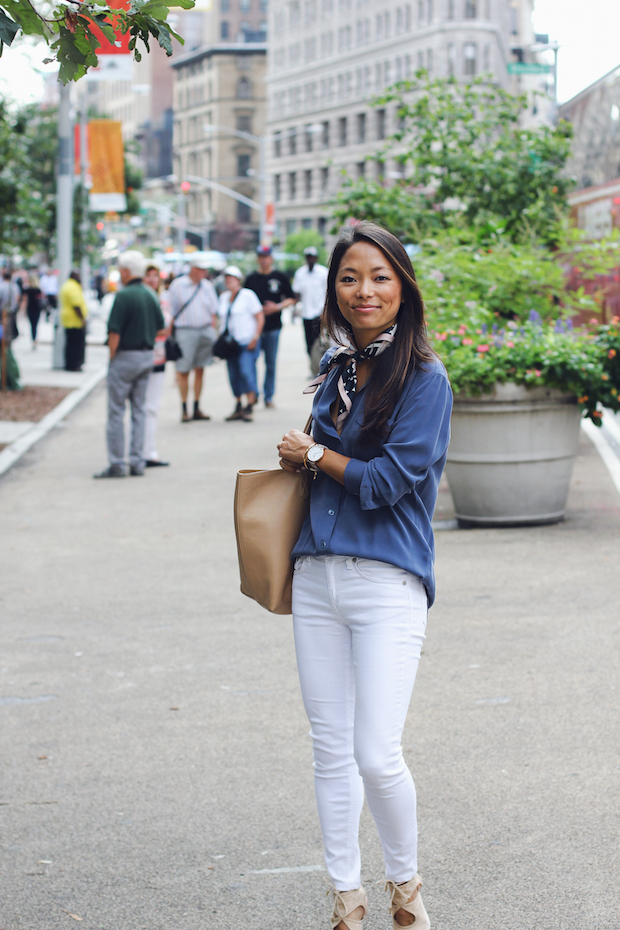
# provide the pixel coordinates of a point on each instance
(487, 9)
(243, 164)
(342, 130)
(325, 135)
(243, 212)
(429, 60)
(451, 59)
(361, 127)
(420, 59)
(380, 124)
(306, 223)
(223, 29)
(430, 11)
(244, 89)
(324, 180)
(225, 6)
(290, 227)
(471, 9)
(380, 171)
(361, 169)
(292, 141)
(308, 184)
(244, 6)
(420, 11)
(486, 58)
(470, 53)
(450, 9)
(277, 187)
(322, 225)
(244, 124)
(277, 144)
(292, 185)
(308, 137)
(408, 18)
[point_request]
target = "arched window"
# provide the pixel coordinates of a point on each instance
(244, 89)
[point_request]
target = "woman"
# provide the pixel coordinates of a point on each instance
(155, 385)
(242, 314)
(31, 301)
(364, 560)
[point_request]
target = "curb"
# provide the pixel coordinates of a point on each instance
(12, 454)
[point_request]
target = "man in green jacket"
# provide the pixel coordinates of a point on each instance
(135, 320)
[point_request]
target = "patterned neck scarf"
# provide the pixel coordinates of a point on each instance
(347, 382)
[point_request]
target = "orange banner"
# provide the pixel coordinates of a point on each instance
(107, 165)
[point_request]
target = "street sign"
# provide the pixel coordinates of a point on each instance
(528, 67)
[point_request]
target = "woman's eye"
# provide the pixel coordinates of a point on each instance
(382, 277)
(347, 279)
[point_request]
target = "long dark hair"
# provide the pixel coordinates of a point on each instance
(390, 369)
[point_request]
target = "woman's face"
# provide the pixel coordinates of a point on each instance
(369, 292)
(152, 278)
(232, 283)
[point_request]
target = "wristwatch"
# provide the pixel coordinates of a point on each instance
(313, 454)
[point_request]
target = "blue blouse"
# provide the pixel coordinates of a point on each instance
(385, 509)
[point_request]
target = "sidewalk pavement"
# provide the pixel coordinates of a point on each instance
(156, 765)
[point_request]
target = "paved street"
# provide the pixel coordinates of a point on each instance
(155, 758)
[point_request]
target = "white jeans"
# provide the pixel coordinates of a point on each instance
(154, 388)
(359, 626)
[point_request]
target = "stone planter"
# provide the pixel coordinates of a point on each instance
(511, 455)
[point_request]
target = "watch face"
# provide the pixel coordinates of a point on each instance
(315, 453)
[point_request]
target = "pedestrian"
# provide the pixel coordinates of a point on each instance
(274, 291)
(155, 384)
(241, 313)
(135, 321)
(32, 304)
(73, 314)
(49, 287)
(194, 307)
(310, 285)
(363, 576)
(10, 297)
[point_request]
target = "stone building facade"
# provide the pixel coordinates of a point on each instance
(329, 58)
(595, 115)
(223, 87)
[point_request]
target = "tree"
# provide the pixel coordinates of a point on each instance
(72, 28)
(296, 243)
(230, 237)
(464, 158)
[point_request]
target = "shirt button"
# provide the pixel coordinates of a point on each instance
(323, 545)
(331, 513)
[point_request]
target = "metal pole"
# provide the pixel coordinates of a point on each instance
(84, 175)
(181, 222)
(262, 189)
(64, 212)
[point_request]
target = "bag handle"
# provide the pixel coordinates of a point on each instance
(187, 302)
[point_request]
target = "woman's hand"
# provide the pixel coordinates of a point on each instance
(292, 449)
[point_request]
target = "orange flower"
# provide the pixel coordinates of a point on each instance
(611, 353)
(605, 377)
(582, 400)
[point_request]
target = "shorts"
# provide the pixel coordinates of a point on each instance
(196, 345)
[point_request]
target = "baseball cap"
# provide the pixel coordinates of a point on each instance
(310, 250)
(263, 250)
(234, 271)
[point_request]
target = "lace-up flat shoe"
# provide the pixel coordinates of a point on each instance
(112, 471)
(199, 415)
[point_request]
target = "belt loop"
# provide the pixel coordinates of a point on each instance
(349, 563)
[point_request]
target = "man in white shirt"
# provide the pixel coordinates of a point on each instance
(310, 285)
(194, 307)
(48, 282)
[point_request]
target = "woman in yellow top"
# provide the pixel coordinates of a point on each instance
(73, 313)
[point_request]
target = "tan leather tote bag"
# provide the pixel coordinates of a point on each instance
(270, 508)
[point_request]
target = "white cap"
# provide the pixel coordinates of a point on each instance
(310, 250)
(200, 261)
(233, 271)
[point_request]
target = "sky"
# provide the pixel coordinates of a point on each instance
(589, 36)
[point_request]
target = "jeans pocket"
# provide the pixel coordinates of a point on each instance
(381, 572)
(300, 564)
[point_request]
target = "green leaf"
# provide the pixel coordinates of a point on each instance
(8, 28)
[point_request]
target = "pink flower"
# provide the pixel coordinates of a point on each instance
(467, 341)
(442, 337)
(483, 348)
(537, 372)
(510, 344)
(462, 330)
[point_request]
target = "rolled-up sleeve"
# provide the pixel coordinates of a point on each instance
(418, 439)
